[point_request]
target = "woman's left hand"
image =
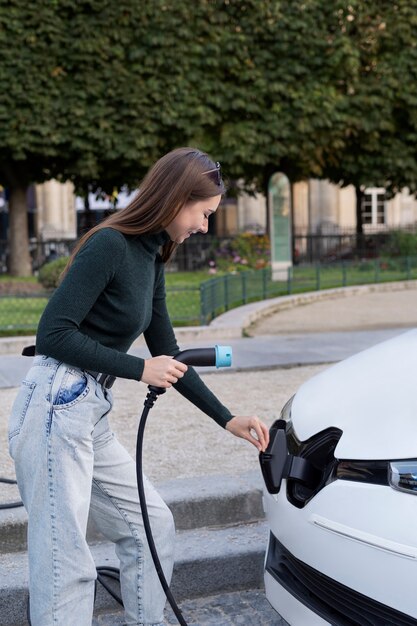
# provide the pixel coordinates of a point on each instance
(247, 428)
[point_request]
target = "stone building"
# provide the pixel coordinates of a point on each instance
(319, 209)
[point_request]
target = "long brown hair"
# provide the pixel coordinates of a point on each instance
(174, 180)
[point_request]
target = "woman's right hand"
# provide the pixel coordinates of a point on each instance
(162, 371)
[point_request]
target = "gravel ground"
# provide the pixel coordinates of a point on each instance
(180, 441)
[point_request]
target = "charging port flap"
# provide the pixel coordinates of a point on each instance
(276, 463)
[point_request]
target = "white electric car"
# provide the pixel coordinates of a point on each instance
(341, 493)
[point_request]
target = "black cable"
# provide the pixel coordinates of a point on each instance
(104, 572)
(10, 505)
(149, 402)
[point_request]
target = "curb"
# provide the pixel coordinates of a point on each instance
(207, 562)
(220, 543)
(243, 317)
(195, 503)
(234, 323)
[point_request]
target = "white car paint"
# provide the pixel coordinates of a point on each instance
(371, 397)
(359, 534)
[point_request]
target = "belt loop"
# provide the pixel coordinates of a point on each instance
(105, 380)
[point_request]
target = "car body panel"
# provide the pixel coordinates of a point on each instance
(371, 397)
(361, 535)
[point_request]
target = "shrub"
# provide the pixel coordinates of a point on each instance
(50, 273)
(400, 243)
(243, 252)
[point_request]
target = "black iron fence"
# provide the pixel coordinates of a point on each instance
(193, 254)
(40, 252)
(326, 247)
(225, 292)
(197, 251)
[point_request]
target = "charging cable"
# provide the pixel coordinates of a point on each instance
(10, 505)
(220, 356)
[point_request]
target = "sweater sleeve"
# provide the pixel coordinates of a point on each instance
(160, 339)
(59, 334)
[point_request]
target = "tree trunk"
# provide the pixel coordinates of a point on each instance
(90, 219)
(19, 262)
(359, 222)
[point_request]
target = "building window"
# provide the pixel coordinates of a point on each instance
(373, 206)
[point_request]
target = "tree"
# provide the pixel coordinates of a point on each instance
(282, 112)
(379, 103)
(75, 101)
(95, 91)
(277, 93)
(335, 96)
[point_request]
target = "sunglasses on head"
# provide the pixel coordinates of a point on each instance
(215, 175)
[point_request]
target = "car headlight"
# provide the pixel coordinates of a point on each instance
(402, 475)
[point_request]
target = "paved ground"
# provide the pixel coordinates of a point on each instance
(360, 312)
(244, 608)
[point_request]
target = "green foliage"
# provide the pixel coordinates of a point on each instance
(400, 243)
(243, 252)
(379, 100)
(49, 274)
(96, 91)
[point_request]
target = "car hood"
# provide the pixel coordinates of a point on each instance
(371, 397)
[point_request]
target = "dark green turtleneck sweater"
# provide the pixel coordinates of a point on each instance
(113, 292)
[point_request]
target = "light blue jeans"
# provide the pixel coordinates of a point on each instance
(69, 463)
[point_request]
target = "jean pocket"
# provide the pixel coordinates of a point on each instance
(20, 407)
(72, 389)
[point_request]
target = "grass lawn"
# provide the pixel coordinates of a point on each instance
(5, 278)
(19, 314)
(183, 296)
(186, 279)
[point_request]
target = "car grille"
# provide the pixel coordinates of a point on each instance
(334, 602)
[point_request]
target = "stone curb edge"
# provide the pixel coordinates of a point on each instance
(196, 502)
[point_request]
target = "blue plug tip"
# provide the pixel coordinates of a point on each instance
(223, 356)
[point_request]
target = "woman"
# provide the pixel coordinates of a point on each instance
(68, 462)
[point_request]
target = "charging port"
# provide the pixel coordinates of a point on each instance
(277, 464)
